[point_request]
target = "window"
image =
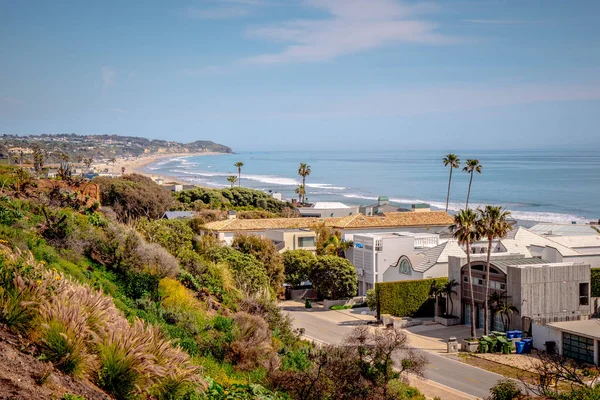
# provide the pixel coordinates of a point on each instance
(308, 241)
(404, 267)
(578, 347)
(465, 279)
(584, 294)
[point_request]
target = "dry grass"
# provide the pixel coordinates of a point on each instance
(81, 331)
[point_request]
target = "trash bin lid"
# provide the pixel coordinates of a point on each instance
(452, 339)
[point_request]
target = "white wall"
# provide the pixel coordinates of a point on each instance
(544, 333)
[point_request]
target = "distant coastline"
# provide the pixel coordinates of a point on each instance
(138, 165)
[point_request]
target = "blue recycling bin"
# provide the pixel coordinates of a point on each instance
(528, 345)
(510, 334)
(518, 334)
(520, 347)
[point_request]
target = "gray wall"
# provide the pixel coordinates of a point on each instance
(549, 293)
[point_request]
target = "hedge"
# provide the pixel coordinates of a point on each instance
(595, 278)
(406, 298)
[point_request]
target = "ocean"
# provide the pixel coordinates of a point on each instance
(560, 186)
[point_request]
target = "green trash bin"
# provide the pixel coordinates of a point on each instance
(504, 345)
(491, 343)
(307, 304)
(483, 346)
(499, 334)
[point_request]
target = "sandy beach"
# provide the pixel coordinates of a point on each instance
(137, 165)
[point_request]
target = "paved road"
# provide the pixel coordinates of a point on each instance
(332, 327)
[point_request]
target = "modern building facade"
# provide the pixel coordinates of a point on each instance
(542, 291)
(386, 257)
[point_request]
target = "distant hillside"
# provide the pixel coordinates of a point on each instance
(98, 146)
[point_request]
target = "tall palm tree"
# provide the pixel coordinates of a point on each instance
(471, 167)
(239, 166)
(304, 171)
(113, 161)
(453, 161)
(232, 179)
(465, 231)
(300, 191)
(493, 224)
(448, 291)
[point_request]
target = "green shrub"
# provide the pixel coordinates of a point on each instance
(340, 307)
(297, 264)
(334, 277)
(64, 344)
(69, 396)
(118, 374)
(371, 299)
(505, 389)
(595, 278)
(406, 298)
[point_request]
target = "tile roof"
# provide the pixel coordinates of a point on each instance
(439, 254)
(357, 221)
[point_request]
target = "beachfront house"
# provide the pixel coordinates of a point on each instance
(386, 257)
(326, 209)
(430, 222)
(381, 207)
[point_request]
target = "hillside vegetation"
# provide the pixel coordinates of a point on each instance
(143, 308)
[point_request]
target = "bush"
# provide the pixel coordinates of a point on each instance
(134, 196)
(249, 274)
(371, 299)
(406, 298)
(505, 389)
(297, 265)
(64, 344)
(252, 345)
(264, 251)
(334, 277)
(175, 235)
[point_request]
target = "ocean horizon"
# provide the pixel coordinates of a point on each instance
(559, 186)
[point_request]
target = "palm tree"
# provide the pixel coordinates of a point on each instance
(453, 161)
(300, 191)
(239, 166)
(435, 291)
(113, 161)
(465, 231)
(122, 170)
(471, 167)
(304, 171)
(493, 224)
(448, 291)
(232, 179)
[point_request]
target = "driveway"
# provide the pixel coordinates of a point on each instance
(446, 377)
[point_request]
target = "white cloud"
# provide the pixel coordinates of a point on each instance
(108, 78)
(352, 26)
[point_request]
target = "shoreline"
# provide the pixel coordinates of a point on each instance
(137, 166)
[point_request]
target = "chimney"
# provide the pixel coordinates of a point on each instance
(231, 214)
(382, 201)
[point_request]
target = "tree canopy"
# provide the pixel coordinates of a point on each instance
(134, 196)
(297, 265)
(334, 277)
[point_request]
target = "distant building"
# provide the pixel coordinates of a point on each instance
(431, 222)
(293, 239)
(323, 209)
(382, 206)
(553, 230)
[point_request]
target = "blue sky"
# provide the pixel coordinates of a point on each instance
(306, 74)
